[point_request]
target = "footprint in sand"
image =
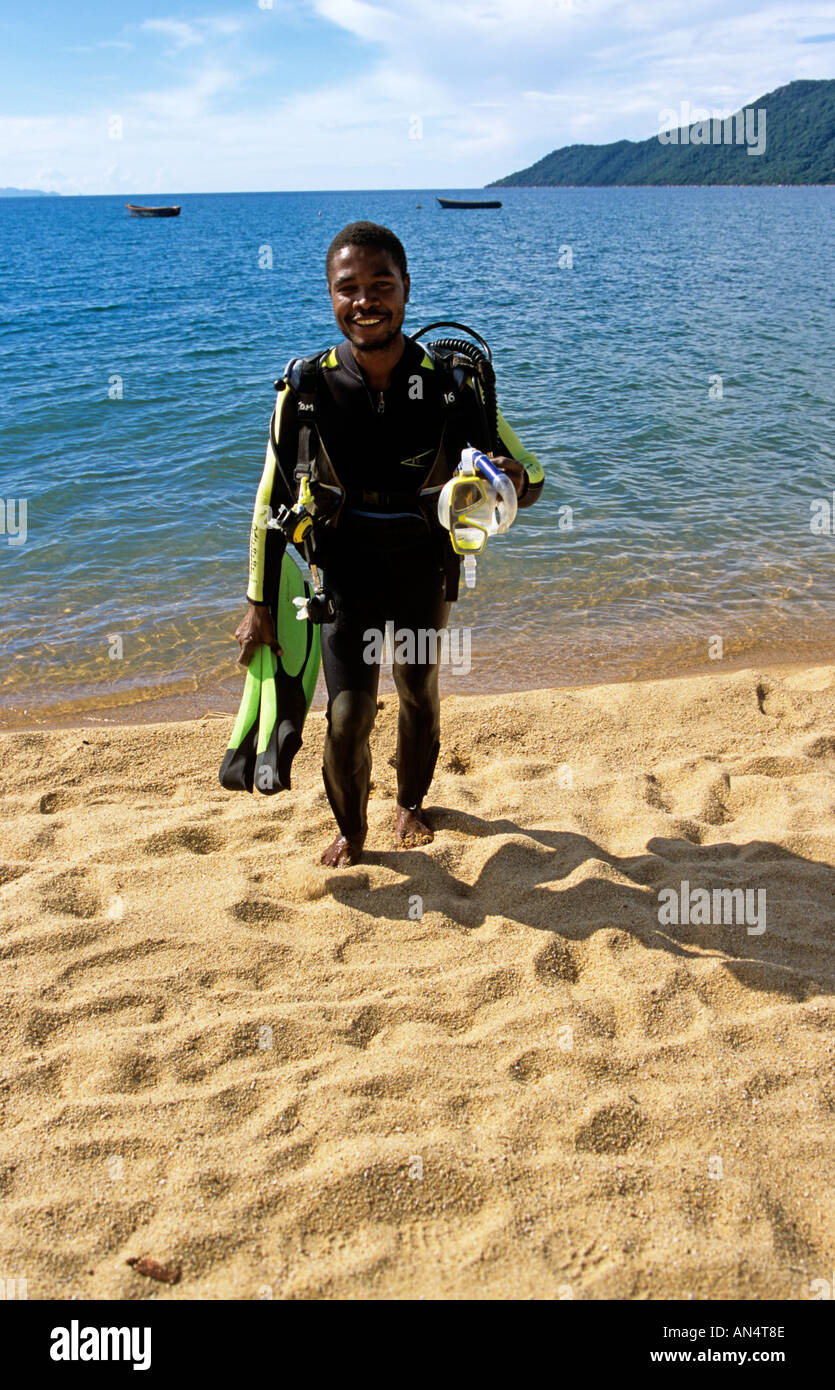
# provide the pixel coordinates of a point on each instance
(669, 1006)
(530, 771)
(196, 839)
(261, 911)
(556, 963)
(39, 1026)
(653, 794)
(713, 809)
(233, 1103)
(213, 1184)
(45, 839)
(290, 1158)
(9, 872)
(457, 763)
(367, 1024)
(774, 766)
(823, 747)
(54, 801)
(72, 892)
(7, 1178)
(689, 830)
(128, 1070)
(790, 1241)
(764, 1082)
(697, 1202)
(497, 985)
(612, 1129)
(530, 1066)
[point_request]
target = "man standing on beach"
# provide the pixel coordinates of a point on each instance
(384, 423)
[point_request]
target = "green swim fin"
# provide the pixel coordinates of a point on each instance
(277, 695)
(238, 767)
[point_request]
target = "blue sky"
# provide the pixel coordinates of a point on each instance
(235, 95)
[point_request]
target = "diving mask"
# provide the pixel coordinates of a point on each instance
(478, 501)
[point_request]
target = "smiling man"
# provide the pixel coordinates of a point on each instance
(375, 426)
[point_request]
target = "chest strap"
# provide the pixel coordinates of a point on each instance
(300, 375)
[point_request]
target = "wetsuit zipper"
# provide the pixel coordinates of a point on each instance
(380, 408)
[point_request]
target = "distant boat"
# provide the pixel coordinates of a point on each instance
(460, 203)
(136, 211)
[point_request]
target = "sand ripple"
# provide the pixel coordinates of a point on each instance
(484, 1068)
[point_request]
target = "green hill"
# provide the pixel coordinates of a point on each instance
(798, 147)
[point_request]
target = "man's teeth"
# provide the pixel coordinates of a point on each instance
(367, 323)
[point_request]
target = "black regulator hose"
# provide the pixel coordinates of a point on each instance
(480, 359)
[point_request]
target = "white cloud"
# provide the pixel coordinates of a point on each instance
(183, 34)
(189, 102)
(496, 84)
(93, 47)
(365, 21)
(180, 34)
(586, 51)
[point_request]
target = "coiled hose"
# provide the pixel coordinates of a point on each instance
(480, 359)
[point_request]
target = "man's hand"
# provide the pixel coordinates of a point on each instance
(514, 470)
(255, 627)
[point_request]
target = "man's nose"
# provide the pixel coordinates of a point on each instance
(365, 298)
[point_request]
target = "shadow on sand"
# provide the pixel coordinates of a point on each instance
(537, 880)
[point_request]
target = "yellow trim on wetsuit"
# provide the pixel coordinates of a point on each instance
(515, 449)
(261, 514)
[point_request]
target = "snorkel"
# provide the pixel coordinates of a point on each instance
(478, 501)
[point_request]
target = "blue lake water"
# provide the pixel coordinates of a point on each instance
(691, 498)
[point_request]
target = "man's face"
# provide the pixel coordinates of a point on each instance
(369, 296)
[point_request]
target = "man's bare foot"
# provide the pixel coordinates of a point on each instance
(345, 850)
(412, 827)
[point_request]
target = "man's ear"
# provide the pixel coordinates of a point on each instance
(407, 285)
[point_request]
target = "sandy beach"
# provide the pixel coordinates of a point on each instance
(483, 1069)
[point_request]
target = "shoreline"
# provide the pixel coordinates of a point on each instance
(220, 702)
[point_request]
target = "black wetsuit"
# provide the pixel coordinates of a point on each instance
(382, 561)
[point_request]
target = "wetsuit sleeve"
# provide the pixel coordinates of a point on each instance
(515, 449)
(266, 547)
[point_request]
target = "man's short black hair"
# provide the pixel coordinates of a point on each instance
(367, 234)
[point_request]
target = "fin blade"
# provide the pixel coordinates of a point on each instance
(238, 766)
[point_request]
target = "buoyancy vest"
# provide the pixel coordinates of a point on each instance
(456, 376)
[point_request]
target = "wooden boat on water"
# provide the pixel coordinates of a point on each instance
(137, 211)
(468, 203)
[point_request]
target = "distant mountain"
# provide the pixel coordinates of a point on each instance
(27, 193)
(795, 137)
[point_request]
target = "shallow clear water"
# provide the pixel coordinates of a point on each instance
(691, 515)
